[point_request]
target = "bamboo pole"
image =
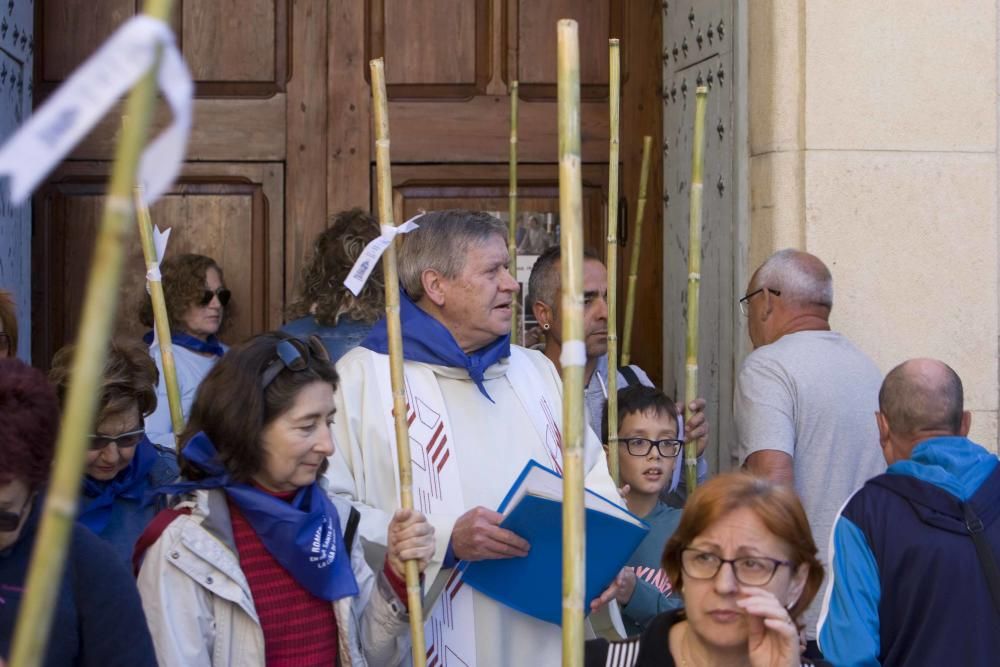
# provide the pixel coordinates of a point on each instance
(161, 322)
(48, 556)
(384, 178)
(612, 257)
(633, 272)
(694, 280)
(515, 317)
(573, 348)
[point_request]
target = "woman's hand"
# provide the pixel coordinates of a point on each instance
(623, 585)
(773, 638)
(411, 537)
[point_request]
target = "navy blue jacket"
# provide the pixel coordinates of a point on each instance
(98, 619)
(907, 586)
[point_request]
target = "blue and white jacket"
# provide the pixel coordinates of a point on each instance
(906, 585)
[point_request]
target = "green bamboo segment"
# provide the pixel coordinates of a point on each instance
(383, 173)
(614, 96)
(694, 280)
(573, 355)
(160, 319)
(515, 316)
(48, 557)
(633, 272)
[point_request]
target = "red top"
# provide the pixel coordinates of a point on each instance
(300, 629)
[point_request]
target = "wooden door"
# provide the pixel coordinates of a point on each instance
(253, 188)
(449, 65)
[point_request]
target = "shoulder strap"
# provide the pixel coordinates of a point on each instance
(631, 378)
(152, 533)
(351, 529)
(987, 558)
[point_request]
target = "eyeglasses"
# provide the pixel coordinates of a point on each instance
(126, 440)
(668, 448)
(749, 570)
(9, 521)
(745, 301)
(294, 355)
(5, 343)
(223, 294)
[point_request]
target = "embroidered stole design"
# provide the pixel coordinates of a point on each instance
(450, 631)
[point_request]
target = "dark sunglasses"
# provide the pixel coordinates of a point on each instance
(223, 294)
(9, 521)
(126, 440)
(294, 355)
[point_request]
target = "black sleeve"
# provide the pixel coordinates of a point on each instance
(595, 653)
(113, 630)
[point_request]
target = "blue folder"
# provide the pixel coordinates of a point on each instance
(533, 510)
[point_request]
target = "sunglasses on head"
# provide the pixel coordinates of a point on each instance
(293, 354)
(223, 294)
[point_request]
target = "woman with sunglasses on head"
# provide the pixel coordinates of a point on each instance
(197, 300)
(744, 560)
(123, 466)
(257, 564)
(97, 616)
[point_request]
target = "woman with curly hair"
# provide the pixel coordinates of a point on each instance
(122, 464)
(328, 309)
(97, 618)
(197, 300)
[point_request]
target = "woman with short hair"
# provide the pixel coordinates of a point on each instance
(123, 467)
(198, 304)
(97, 618)
(257, 564)
(744, 560)
(326, 308)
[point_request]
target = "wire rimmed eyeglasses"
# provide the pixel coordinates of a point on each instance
(749, 570)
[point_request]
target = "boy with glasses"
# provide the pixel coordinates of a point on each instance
(648, 451)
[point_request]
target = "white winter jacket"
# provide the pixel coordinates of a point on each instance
(201, 612)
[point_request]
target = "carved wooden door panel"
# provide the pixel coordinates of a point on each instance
(249, 170)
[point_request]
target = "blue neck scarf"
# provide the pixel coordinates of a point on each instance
(129, 484)
(303, 535)
(211, 346)
(427, 340)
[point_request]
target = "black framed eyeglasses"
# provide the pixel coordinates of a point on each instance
(749, 570)
(668, 448)
(745, 301)
(9, 521)
(293, 354)
(223, 294)
(126, 440)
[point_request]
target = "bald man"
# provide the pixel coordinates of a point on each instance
(804, 397)
(914, 551)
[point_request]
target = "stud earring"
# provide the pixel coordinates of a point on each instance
(546, 326)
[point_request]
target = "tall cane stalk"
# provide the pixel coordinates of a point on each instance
(383, 173)
(160, 320)
(515, 317)
(694, 280)
(574, 357)
(615, 110)
(48, 556)
(633, 271)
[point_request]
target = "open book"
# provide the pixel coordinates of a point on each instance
(533, 510)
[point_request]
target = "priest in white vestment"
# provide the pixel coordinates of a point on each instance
(479, 409)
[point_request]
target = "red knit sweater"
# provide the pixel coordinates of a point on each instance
(300, 629)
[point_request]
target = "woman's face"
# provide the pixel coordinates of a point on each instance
(204, 321)
(298, 442)
(103, 464)
(711, 603)
(15, 499)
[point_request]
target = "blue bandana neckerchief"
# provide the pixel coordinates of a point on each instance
(427, 340)
(211, 346)
(303, 535)
(130, 484)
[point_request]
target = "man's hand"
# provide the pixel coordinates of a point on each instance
(696, 426)
(411, 537)
(477, 535)
(623, 585)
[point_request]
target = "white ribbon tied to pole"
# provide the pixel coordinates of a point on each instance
(70, 113)
(160, 240)
(365, 263)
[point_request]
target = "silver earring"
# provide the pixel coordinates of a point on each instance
(546, 326)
